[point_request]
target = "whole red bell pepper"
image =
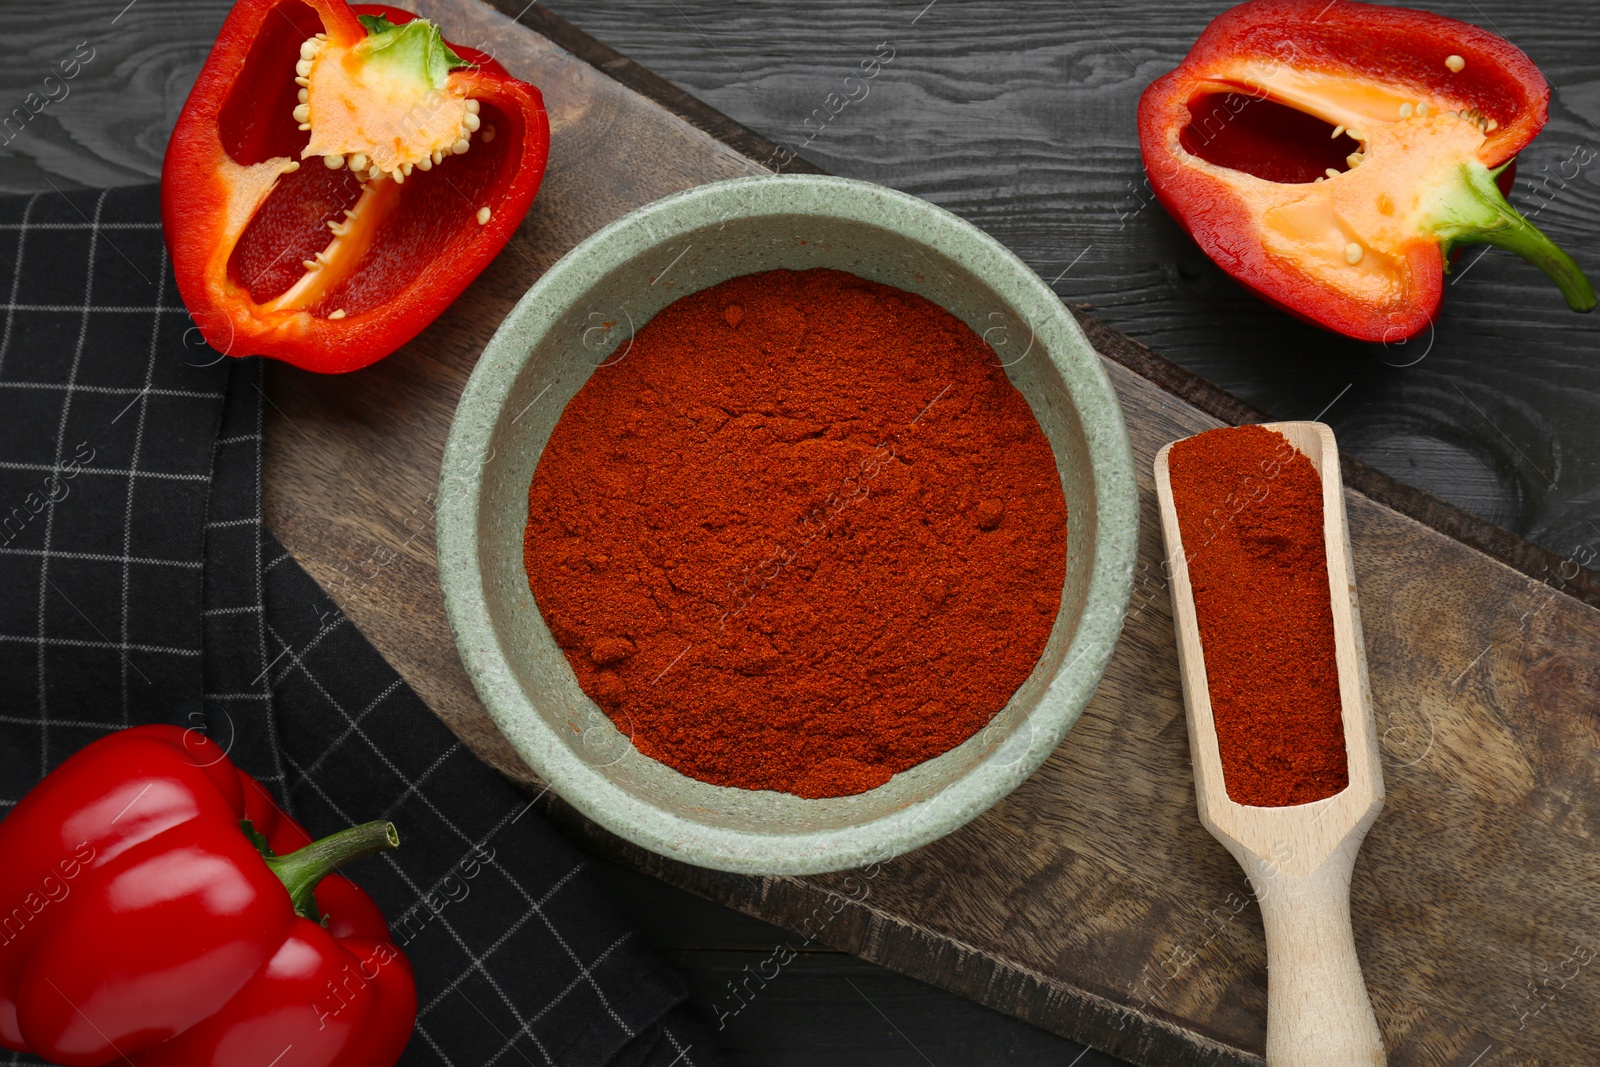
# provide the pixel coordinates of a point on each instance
(338, 176)
(1331, 156)
(160, 911)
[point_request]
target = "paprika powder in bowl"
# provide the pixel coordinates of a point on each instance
(581, 318)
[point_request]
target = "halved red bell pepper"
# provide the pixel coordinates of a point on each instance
(338, 176)
(1331, 156)
(161, 912)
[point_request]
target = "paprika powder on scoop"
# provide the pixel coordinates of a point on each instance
(1250, 510)
(802, 535)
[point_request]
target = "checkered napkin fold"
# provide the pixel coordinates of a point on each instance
(137, 585)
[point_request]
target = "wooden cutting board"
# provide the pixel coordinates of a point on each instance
(1091, 901)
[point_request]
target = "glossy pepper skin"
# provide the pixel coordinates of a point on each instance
(143, 925)
(1332, 156)
(278, 251)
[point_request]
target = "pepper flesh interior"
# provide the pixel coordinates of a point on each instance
(1417, 173)
(1380, 205)
(383, 105)
(338, 260)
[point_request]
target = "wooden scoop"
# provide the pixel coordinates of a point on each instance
(1299, 858)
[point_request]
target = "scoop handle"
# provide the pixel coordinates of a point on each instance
(1318, 1013)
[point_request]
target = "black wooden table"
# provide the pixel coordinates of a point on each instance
(1018, 116)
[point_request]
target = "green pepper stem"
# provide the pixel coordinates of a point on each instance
(1478, 213)
(301, 870)
(409, 48)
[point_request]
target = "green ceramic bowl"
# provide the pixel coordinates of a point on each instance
(580, 316)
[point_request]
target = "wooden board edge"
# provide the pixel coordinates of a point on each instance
(1140, 1036)
(1560, 573)
(1500, 544)
(696, 112)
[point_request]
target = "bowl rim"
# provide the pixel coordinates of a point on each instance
(585, 786)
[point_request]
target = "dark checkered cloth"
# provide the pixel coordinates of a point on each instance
(137, 585)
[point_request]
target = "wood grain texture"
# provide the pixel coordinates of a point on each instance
(823, 1006)
(1091, 901)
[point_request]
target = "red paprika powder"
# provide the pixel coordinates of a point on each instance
(1250, 510)
(805, 534)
